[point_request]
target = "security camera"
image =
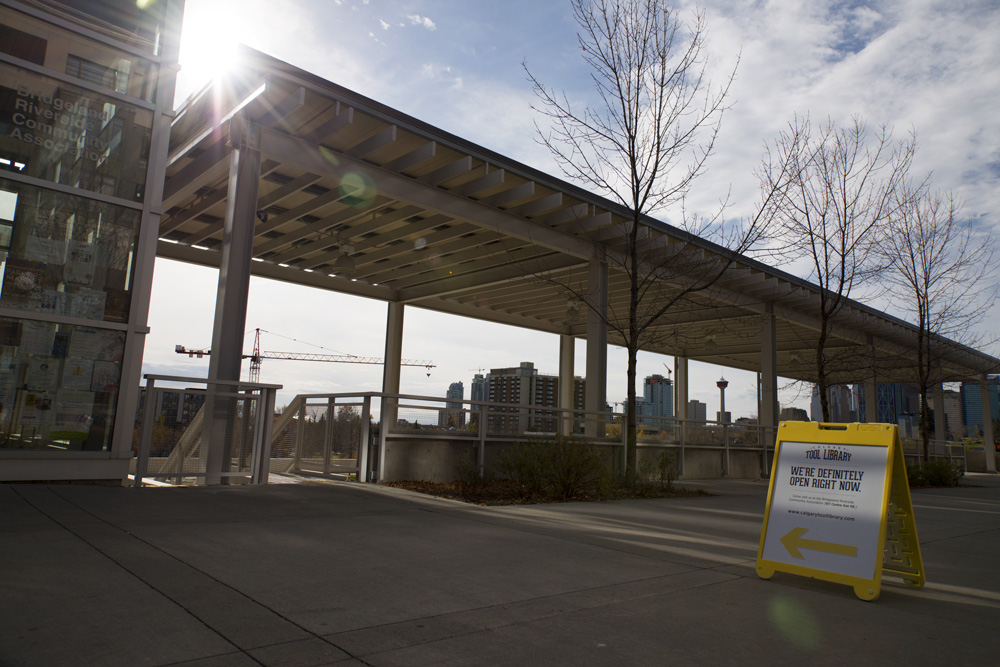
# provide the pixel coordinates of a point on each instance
(262, 215)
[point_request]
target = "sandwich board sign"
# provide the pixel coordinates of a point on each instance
(838, 507)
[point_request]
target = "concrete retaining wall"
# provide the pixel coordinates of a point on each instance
(444, 460)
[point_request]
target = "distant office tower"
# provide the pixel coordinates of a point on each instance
(453, 415)
(657, 400)
(953, 426)
(697, 410)
(972, 404)
(792, 414)
(893, 402)
(478, 390)
(522, 386)
(840, 400)
(455, 390)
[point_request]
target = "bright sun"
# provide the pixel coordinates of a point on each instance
(208, 43)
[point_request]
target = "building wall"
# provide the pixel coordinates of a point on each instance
(523, 386)
(972, 404)
(78, 114)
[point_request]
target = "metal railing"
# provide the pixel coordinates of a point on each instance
(209, 435)
(327, 435)
(954, 452)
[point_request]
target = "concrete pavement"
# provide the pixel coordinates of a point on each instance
(341, 573)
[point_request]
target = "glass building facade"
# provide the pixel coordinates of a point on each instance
(82, 102)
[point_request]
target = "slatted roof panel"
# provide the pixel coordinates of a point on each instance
(437, 222)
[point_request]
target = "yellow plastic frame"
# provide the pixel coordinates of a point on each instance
(901, 551)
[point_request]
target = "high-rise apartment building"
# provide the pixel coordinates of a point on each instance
(697, 410)
(523, 387)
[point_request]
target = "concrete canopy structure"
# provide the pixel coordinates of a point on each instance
(279, 173)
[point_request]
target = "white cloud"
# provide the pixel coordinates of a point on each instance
(385, 26)
(417, 19)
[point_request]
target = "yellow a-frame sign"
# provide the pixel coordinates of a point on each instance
(838, 507)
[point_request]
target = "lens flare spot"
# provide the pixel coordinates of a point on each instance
(359, 187)
(329, 156)
(420, 243)
(435, 259)
(795, 622)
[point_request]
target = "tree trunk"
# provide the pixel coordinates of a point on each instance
(632, 418)
(821, 386)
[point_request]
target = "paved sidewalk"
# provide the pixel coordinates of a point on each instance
(350, 574)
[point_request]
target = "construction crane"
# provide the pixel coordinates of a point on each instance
(256, 356)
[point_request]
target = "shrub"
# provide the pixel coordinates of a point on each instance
(562, 468)
(661, 471)
(575, 467)
(938, 472)
(525, 464)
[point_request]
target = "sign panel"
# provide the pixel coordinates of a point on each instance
(828, 505)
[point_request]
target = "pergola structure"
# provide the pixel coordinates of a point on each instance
(281, 174)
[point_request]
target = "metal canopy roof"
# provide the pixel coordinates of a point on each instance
(437, 222)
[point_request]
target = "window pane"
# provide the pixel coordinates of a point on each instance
(44, 44)
(65, 134)
(68, 255)
(58, 385)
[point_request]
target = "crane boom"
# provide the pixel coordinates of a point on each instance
(306, 356)
(257, 355)
(342, 358)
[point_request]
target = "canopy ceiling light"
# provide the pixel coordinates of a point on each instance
(344, 265)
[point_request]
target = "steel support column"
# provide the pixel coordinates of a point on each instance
(393, 362)
(871, 390)
(768, 416)
(233, 292)
(989, 449)
(567, 347)
(681, 398)
(597, 345)
(937, 392)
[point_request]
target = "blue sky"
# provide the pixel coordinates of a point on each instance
(928, 66)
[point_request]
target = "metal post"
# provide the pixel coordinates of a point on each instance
(300, 434)
(680, 464)
(481, 455)
(267, 414)
(146, 433)
(725, 454)
(366, 416)
(383, 433)
(328, 435)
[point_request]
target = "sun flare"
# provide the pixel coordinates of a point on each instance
(208, 44)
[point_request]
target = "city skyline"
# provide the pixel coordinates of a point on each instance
(459, 67)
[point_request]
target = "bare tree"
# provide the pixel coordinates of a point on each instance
(843, 192)
(941, 275)
(642, 144)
